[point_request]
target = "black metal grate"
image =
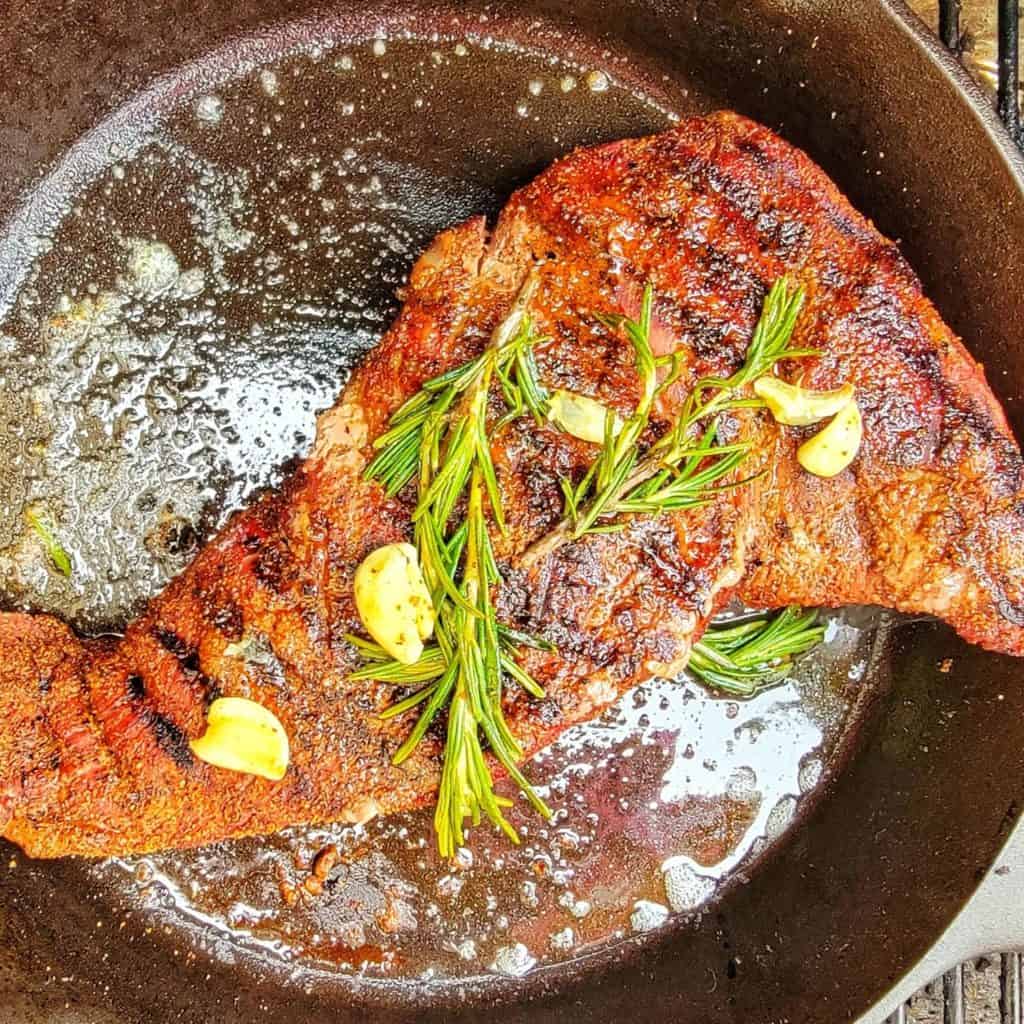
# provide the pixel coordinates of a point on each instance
(1009, 66)
(986, 991)
(1007, 56)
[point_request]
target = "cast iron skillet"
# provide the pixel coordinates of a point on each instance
(908, 832)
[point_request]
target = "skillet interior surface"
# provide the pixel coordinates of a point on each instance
(874, 873)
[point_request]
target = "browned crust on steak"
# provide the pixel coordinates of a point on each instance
(94, 755)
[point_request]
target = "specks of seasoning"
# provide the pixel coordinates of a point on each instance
(268, 82)
(578, 908)
(396, 915)
(811, 770)
(742, 784)
(152, 266)
(528, 894)
(780, 817)
(228, 619)
(325, 861)
(252, 542)
(466, 950)
(449, 886)
(191, 283)
(352, 935)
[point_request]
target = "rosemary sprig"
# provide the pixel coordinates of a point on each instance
(398, 450)
(441, 437)
(520, 384)
(58, 556)
(749, 656)
(383, 668)
(768, 346)
(467, 788)
(686, 466)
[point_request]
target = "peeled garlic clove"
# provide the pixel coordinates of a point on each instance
(393, 601)
(580, 416)
(795, 406)
(834, 447)
(243, 736)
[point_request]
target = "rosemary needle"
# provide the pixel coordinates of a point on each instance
(58, 556)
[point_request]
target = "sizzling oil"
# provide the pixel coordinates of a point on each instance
(210, 276)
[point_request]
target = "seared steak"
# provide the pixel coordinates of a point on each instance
(94, 755)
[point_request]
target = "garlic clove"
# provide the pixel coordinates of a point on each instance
(795, 406)
(243, 736)
(393, 601)
(580, 416)
(835, 446)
